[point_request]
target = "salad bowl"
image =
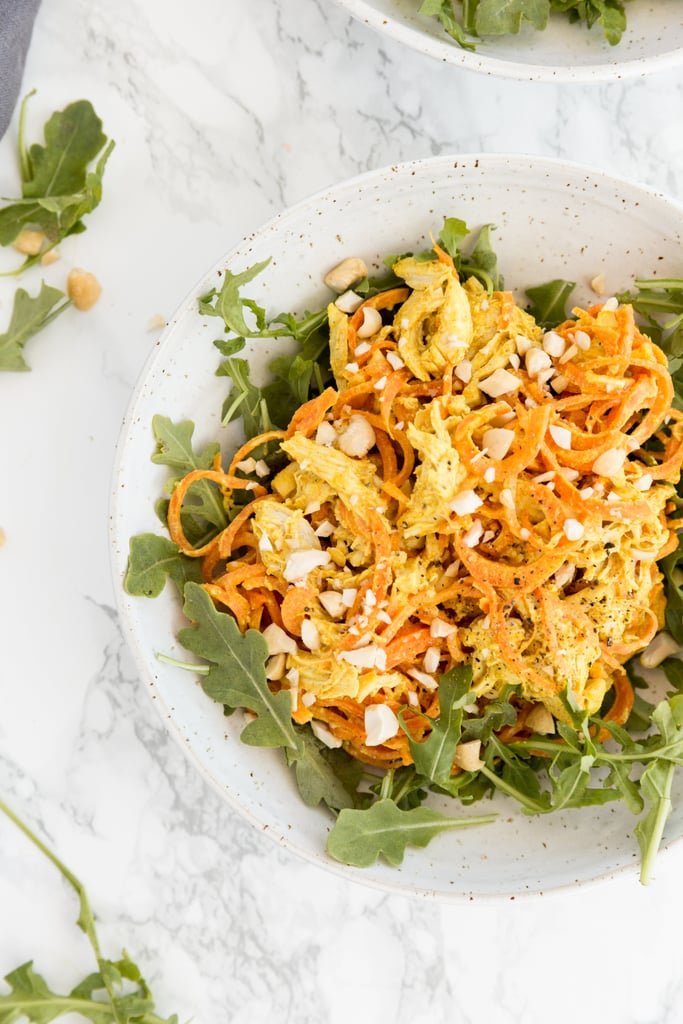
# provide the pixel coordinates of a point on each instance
(551, 220)
(562, 52)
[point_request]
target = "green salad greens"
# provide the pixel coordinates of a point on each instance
(61, 183)
(114, 993)
(591, 761)
(467, 21)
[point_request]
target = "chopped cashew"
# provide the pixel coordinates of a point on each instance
(358, 437)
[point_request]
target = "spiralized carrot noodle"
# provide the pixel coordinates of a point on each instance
(462, 495)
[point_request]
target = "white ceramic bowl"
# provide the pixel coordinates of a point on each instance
(562, 52)
(553, 220)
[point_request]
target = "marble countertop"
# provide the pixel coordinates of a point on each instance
(224, 113)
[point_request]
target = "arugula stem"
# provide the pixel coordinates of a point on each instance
(232, 409)
(660, 282)
(86, 918)
(191, 666)
(657, 830)
(386, 787)
(601, 756)
(24, 159)
(534, 806)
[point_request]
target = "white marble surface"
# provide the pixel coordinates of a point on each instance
(224, 112)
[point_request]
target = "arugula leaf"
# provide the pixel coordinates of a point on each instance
(296, 377)
(495, 715)
(228, 303)
(100, 997)
(174, 446)
(204, 513)
(641, 713)
(359, 837)
(549, 302)
(58, 188)
(452, 235)
(610, 14)
(318, 774)
(245, 401)
(462, 19)
(670, 566)
(237, 676)
(433, 756)
(151, 560)
(482, 261)
(30, 314)
(655, 784)
(673, 670)
(658, 303)
(501, 17)
(443, 11)
(513, 776)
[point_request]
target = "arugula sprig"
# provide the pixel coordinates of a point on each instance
(58, 190)
(116, 993)
(58, 186)
(295, 378)
(30, 314)
(481, 261)
(467, 20)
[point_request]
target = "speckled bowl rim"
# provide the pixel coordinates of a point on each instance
(497, 67)
(286, 841)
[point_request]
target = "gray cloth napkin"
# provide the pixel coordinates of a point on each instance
(16, 25)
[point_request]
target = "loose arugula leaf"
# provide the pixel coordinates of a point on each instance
(100, 997)
(58, 189)
(359, 837)
(151, 560)
(30, 314)
(549, 302)
(237, 676)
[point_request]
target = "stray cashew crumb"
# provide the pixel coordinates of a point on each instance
(51, 256)
(598, 284)
(83, 287)
(155, 322)
(3, 536)
(29, 242)
(346, 273)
